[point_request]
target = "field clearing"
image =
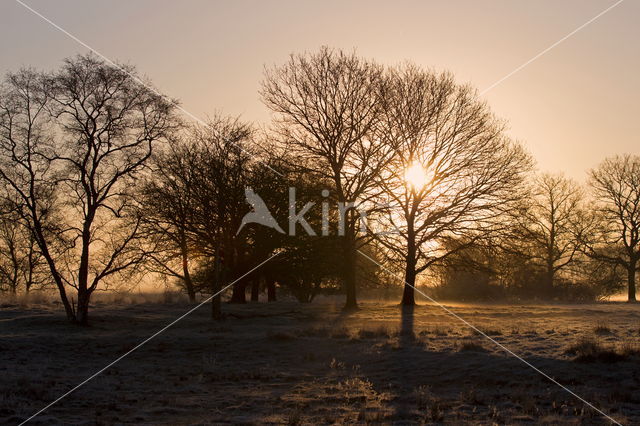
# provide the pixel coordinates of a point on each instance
(289, 363)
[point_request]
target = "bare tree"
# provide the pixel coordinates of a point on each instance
(168, 209)
(454, 174)
(616, 238)
(12, 262)
(20, 260)
(71, 146)
(327, 104)
(26, 167)
(551, 224)
(221, 168)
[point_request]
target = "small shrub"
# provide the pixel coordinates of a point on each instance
(440, 331)
(602, 329)
(423, 397)
(471, 396)
(589, 350)
(471, 347)
(355, 385)
(629, 349)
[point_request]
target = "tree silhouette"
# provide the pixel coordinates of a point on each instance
(167, 209)
(71, 146)
(327, 106)
(550, 225)
(221, 168)
(21, 264)
(470, 169)
(616, 236)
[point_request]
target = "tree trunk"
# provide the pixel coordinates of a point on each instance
(44, 249)
(351, 303)
(239, 292)
(65, 300)
(84, 293)
(631, 271)
(188, 282)
(29, 282)
(82, 310)
(408, 294)
(271, 290)
(216, 288)
(255, 290)
(549, 278)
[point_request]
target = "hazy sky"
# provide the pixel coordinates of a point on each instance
(572, 107)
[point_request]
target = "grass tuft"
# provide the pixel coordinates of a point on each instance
(602, 329)
(471, 347)
(486, 331)
(587, 349)
(376, 333)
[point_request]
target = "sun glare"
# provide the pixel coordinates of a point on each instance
(415, 176)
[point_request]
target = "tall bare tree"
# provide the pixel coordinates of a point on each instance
(327, 104)
(616, 188)
(221, 169)
(454, 173)
(26, 165)
(551, 224)
(168, 209)
(71, 146)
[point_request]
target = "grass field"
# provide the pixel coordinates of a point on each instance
(288, 363)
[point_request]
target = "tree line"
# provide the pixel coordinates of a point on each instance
(103, 182)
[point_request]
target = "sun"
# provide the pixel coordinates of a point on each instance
(415, 176)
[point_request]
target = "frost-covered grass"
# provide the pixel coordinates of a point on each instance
(286, 363)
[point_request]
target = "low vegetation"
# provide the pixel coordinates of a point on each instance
(588, 349)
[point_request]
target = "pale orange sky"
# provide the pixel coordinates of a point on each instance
(572, 107)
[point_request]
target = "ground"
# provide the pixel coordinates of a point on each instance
(290, 363)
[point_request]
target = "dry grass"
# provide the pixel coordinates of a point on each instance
(380, 332)
(431, 406)
(588, 349)
(487, 331)
(44, 298)
(319, 367)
